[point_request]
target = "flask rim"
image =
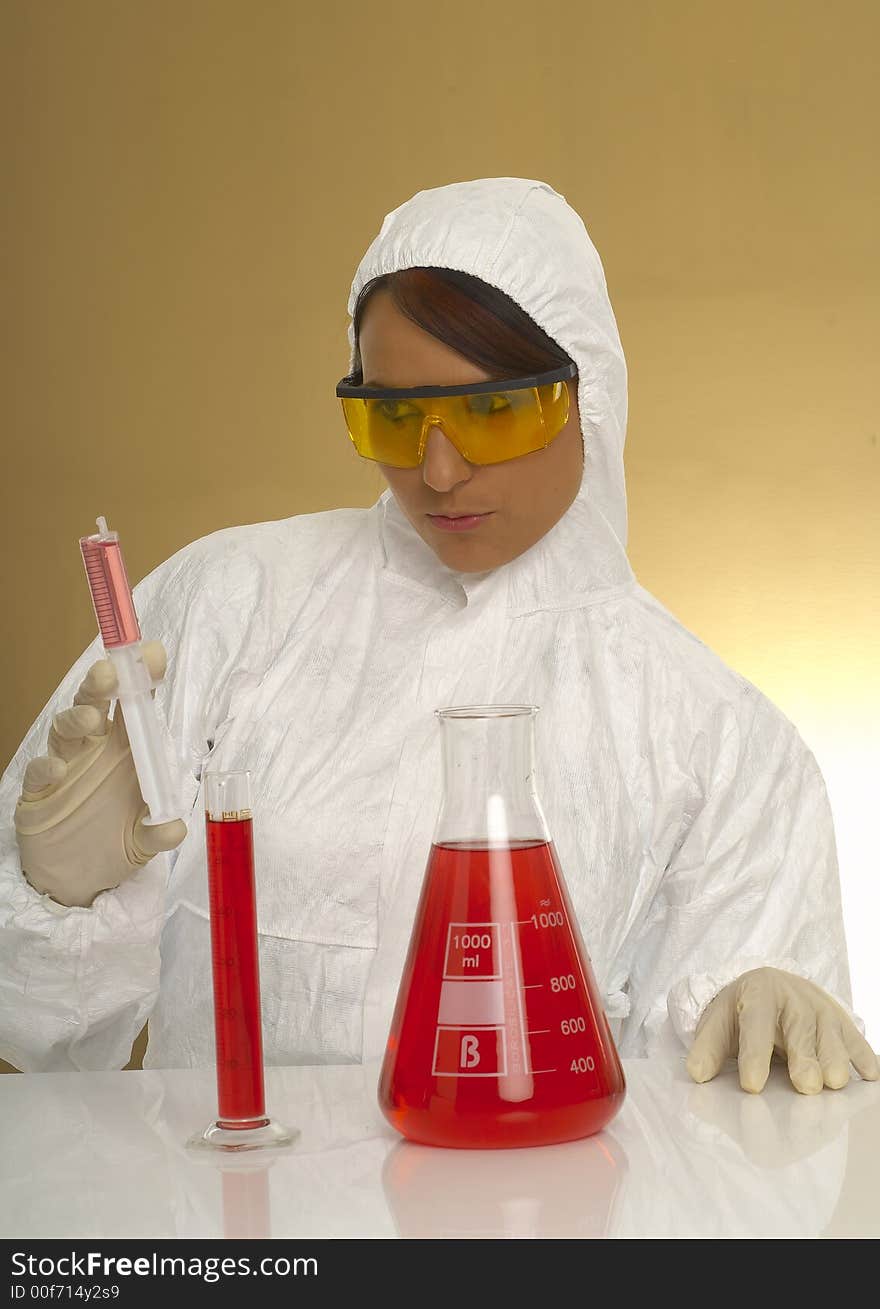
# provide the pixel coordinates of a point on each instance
(487, 711)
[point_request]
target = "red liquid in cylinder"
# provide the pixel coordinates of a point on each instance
(237, 1020)
(498, 1037)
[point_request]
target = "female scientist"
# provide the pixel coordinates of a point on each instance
(691, 821)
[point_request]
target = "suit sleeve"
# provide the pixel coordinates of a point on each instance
(753, 883)
(79, 983)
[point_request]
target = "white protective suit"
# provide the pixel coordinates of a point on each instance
(691, 821)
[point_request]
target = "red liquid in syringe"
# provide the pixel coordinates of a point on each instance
(237, 1020)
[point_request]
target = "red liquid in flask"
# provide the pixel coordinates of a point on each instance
(237, 1021)
(498, 1038)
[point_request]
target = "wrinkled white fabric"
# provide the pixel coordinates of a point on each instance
(690, 819)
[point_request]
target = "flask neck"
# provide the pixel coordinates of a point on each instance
(489, 791)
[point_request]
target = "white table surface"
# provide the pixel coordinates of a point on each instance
(88, 1155)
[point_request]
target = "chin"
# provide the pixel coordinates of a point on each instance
(467, 561)
(471, 568)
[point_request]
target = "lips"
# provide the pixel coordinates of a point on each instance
(458, 522)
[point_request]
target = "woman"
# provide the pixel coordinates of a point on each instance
(691, 821)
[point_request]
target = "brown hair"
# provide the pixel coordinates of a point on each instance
(464, 312)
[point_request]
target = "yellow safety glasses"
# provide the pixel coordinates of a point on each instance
(487, 422)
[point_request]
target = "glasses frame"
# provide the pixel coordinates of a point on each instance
(346, 390)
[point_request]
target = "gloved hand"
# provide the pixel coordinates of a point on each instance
(78, 819)
(766, 1010)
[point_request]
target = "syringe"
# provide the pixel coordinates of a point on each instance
(121, 635)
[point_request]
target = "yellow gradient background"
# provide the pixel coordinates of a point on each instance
(190, 185)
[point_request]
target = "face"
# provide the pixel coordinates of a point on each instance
(522, 498)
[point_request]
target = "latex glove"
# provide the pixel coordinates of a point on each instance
(78, 820)
(766, 1010)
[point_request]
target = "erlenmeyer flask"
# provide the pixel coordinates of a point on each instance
(498, 1037)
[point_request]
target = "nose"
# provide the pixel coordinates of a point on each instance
(443, 467)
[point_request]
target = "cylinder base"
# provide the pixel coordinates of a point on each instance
(266, 1135)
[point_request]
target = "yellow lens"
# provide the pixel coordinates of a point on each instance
(486, 427)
